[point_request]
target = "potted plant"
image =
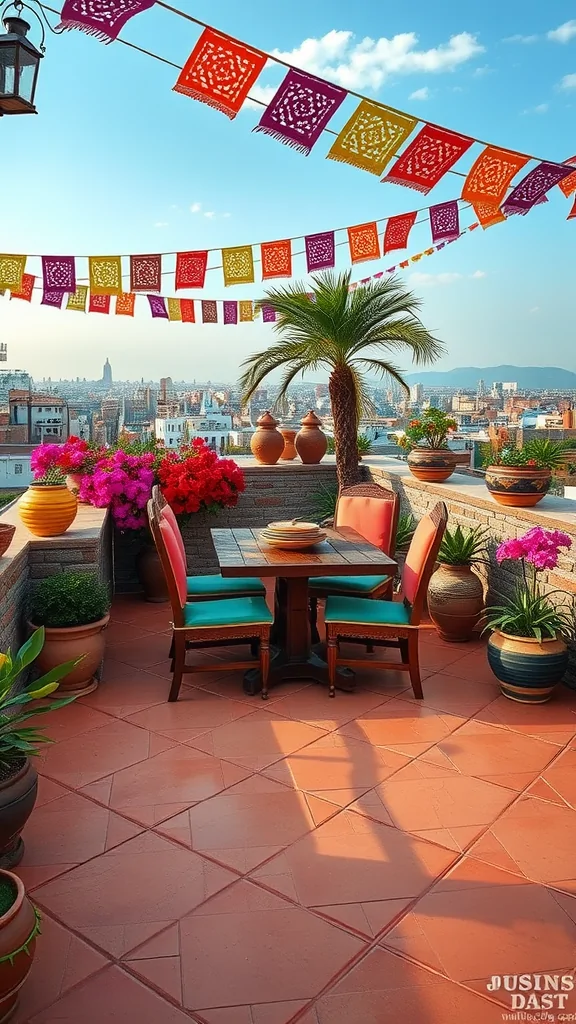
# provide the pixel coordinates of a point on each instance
(429, 457)
(455, 592)
(74, 609)
(18, 778)
(47, 508)
(19, 927)
(520, 477)
(527, 648)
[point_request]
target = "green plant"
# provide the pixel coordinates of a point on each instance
(538, 452)
(17, 741)
(323, 503)
(429, 431)
(405, 531)
(463, 547)
(329, 326)
(530, 613)
(364, 444)
(69, 599)
(53, 477)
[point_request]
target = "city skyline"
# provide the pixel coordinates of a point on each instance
(508, 288)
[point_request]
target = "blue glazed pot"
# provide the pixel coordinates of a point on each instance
(528, 669)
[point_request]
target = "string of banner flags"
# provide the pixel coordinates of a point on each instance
(221, 71)
(83, 300)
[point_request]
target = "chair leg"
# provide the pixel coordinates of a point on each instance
(403, 645)
(178, 665)
(332, 654)
(414, 666)
(171, 651)
(264, 666)
(254, 648)
(314, 634)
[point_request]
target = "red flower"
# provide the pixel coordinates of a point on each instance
(196, 478)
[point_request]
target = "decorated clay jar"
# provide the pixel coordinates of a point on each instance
(289, 452)
(267, 443)
(311, 442)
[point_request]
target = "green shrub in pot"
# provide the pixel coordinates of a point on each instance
(74, 609)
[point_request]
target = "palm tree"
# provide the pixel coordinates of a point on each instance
(348, 332)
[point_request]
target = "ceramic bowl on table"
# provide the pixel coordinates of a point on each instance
(290, 535)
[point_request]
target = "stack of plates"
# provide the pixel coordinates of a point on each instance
(292, 535)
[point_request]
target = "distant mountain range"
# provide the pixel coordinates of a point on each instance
(529, 378)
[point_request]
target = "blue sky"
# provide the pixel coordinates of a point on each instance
(115, 162)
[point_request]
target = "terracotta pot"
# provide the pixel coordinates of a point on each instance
(267, 443)
(73, 481)
(528, 669)
(19, 927)
(67, 644)
(455, 601)
(311, 442)
(289, 452)
(151, 574)
(18, 792)
(6, 534)
(517, 486)
(47, 510)
(431, 465)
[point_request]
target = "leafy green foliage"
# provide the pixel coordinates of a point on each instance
(538, 452)
(530, 613)
(405, 531)
(323, 503)
(429, 431)
(18, 741)
(463, 547)
(53, 477)
(364, 444)
(69, 599)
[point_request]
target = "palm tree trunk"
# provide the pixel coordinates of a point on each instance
(345, 415)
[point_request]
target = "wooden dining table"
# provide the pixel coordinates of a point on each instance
(244, 552)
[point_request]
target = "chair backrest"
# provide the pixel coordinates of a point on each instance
(167, 514)
(173, 565)
(420, 559)
(158, 498)
(372, 511)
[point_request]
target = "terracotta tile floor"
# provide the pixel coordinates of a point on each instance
(355, 861)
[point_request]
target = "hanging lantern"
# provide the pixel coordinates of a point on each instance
(19, 63)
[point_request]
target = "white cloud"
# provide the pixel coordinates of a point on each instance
(564, 33)
(540, 108)
(420, 94)
(568, 82)
(195, 207)
(263, 93)
(161, 224)
(519, 38)
(210, 214)
(478, 274)
(368, 63)
(480, 72)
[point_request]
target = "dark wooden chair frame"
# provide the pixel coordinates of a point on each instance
(404, 637)
(192, 638)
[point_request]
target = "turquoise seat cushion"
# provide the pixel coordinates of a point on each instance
(347, 584)
(239, 611)
(369, 613)
(218, 586)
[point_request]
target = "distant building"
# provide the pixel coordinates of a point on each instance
(416, 394)
(13, 379)
(107, 374)
(42, 417)
(15, 472)
(211, 424)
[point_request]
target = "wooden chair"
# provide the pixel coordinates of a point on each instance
(373, 512)
(212, 586)
(390, 623)
(201, 624)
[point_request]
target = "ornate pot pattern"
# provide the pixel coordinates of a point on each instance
(431, 465)
(518, 486)
(528, 669)
(455, 601)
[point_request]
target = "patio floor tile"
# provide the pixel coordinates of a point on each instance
(195, 712)
(165, 785)
(314, 707)
(248, 823)
(92, 755)
(455, 696)
(124, 690)
(382, 987)
(489, 752)
(350, 860)
(128, 894)
(248, 947)
(408, 728)
(257, 740)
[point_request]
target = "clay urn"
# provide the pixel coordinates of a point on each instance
(267, 443)
(311, 442)
(289, 452)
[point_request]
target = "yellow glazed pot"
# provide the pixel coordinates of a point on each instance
(47, 510)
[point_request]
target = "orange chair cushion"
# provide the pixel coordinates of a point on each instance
(417, 556)
(175, 558)
(370, 517)
(170, 518)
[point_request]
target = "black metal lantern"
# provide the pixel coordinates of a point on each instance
(19, 63)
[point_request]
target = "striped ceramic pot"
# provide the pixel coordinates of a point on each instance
(517, 486)
(431, 465)
(528, 669)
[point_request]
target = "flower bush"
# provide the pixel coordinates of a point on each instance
(123, 483)
(195, 479)
(430, 431)
(74, 456)
(529, 612)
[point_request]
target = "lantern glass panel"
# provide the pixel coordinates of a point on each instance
(18, 67)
